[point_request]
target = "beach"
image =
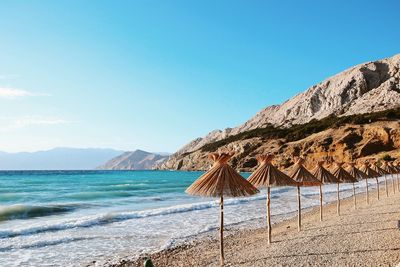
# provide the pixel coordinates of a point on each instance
(367, 236)
(102, 218)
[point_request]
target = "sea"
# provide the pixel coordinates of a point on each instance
(78, 218)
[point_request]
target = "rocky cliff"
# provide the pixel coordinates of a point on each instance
(365, 88)
(133, 160)
(346, 143)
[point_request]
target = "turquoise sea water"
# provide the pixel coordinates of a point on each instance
(70, 218)
(51, 192)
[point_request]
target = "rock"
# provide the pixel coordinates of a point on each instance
(346, 143)
(368, 87)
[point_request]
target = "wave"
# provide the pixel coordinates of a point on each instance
(98, 195)
(44, 243)
(107, 218)
(19, 211)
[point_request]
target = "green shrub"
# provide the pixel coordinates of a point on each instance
(301, 131)
(387, 157)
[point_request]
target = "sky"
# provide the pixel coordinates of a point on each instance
(154, 75)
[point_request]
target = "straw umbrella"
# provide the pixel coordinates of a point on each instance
(385, 167)
(221, 180)
(389, 170)
(344, 177)
(398, 174)
(359, 175)
(393, 170)
(370, 174)
(395, 174)
(304, 178)
(267, 175)
(325, 177)
(397, 168)
(381, 172)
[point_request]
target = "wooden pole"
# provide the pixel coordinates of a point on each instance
(354, 196)
(386, 187)
(393, 184)
(221, 232)
(320, 203)
(299, 209)
(338, 200)
(398, 183)
(367, 194)
(269, 214)
(377, 185)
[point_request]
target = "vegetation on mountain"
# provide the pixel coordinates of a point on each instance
(301, 131)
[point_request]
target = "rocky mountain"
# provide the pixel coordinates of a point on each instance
(365, 88)
(134, 160)
(62, 158)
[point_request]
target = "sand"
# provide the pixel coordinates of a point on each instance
(367, 236)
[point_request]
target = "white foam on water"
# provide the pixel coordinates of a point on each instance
(110, 236)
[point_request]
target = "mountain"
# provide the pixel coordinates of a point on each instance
(57, 159)
(134, 160)
(366, 88)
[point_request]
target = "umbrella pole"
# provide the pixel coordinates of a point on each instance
(393, 184)
(299, 209)
(338, 200)
(320, 203)
(354, 196)
(377, 185)
(398, 183)
(386, 187)
(269, 213)
(366, 186)
(221, 232)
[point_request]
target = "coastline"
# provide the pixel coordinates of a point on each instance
(335, 241)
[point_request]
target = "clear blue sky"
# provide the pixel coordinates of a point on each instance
(156, 74)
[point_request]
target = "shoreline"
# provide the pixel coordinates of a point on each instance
(187, 252)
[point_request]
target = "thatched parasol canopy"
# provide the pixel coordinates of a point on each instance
(356, 173)
(323, 175)
(396, 169)
(388, 167)
(368, 171)
(221, 180)
(267, 175)
(301, 175)
(304, 178)
(378, 170)
(370, 174)
(342, 175)
(397, 166)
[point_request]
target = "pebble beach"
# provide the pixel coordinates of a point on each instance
(366, 236)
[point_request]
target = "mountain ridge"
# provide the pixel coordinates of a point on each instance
(60, 158)
(368, 87)
(133, 160)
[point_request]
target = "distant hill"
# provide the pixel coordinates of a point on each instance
(57, 159)
(134, 160)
